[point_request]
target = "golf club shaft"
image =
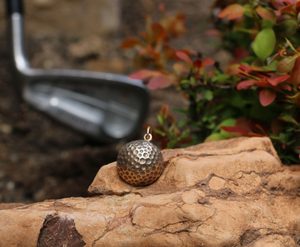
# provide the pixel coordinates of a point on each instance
(14, 6)
(107, 118)
(15, 32)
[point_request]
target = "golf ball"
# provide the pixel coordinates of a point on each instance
(140, 163)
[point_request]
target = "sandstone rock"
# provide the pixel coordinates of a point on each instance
(10, 205)
(228, 193)
(227, 164)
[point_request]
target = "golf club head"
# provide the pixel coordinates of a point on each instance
(106, 110)
(107, 107)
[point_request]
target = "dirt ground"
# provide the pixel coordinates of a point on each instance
(39, 159)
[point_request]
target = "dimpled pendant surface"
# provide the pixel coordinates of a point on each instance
(140, 162)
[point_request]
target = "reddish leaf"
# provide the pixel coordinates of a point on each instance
(266, 14)
(262, 82)
(208, 62)
(288, 9)
(236, 129)
(242, 127)
(282, 3)
(285, 2)
(247, 69)
(184, 57)
(233, 69)
(295, 74)
(277, 80)
(245, 84)
(165, 111)
(232, 12)
(152, 53)
(144, 74)
(158, 82)
(287, 87)
(198, 64)
(176, 26)
(266, 97)
(240, 53)
(149, 52)
(129, 43)
(158, 31)
(170, 52)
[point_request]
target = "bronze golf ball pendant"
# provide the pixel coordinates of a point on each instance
(140, 162)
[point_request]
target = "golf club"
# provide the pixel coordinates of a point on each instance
(107, 107)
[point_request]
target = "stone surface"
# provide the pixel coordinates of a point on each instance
(246, 157)
(228, 193)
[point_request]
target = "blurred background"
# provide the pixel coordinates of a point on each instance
(39, 159)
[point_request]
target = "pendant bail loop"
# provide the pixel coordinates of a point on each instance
(148, 136)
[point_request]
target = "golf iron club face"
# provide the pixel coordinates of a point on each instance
(104, 106)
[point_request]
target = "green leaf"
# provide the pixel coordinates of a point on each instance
(267, 24)
(192, 80)
(264, 43)
(248, 10)
(238, 100)
(220, 78)
(214, 137)
(181, 123)
(208, 95)
(227, 122)
(159, 132)
(185, 134)
(222, 134)
(271, 66)
(226, 134)
(289, 119)
(160, 119)
(184, 81)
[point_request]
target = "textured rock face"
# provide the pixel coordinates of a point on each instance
(222, 161)
(229, 193)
